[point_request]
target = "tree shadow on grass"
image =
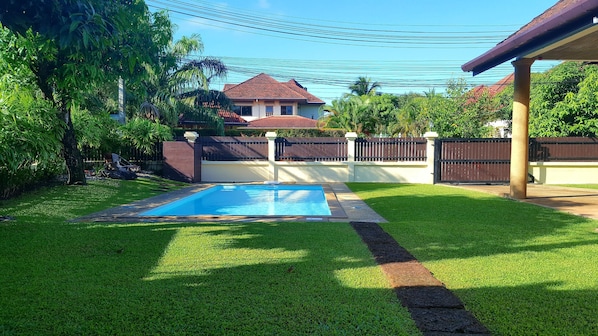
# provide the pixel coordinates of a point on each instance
(454, 223)
(158, 278)
(520, 268)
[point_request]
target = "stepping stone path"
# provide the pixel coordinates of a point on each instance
(435, 310)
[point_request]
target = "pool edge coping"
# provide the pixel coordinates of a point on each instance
(342, 210)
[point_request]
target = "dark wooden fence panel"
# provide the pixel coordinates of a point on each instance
(390, 149)
(234, 148)
(311, 149)
(472, 160)
(131, 154)
(563, 149)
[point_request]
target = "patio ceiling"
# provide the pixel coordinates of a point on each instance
(566, 31)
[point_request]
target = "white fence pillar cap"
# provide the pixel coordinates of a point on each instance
(191, 136)
(431, 135)
(271, 135)
(351, 135)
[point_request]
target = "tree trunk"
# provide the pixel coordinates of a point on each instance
(70, 151)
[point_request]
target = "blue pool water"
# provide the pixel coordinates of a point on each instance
(249, 200)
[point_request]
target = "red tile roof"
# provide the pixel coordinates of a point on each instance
(502, 84)
(495, 88)
(264, 87)
(231, 117)
(283, 122)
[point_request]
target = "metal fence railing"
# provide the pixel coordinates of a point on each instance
(390, 149)
(131, 154)
(563, 149)
(311, 149)
(220, 148)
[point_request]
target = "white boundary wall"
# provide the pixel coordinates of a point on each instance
(392, 172)
(316, 172)
(320, 172)
(564, 172)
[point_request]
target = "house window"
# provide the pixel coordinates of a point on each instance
(243, 110)
(286, 110)
(269, 110)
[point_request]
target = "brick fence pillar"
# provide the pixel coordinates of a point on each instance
(182, 159)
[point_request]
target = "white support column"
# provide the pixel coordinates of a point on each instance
(430, 137)
(273, 171)
(351, 137)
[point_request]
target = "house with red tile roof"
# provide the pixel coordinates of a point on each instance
(263, 96)
(283, 122)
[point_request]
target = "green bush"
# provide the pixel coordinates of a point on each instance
(29, 139)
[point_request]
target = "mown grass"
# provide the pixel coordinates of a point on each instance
(62, 277)
(520, 268)
(583, 186)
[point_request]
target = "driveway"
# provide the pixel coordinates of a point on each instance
(577, 201)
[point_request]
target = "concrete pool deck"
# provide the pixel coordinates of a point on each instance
(344, 205)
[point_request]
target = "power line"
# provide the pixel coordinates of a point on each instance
(361, 35)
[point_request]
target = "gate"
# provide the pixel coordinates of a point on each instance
(472, 160)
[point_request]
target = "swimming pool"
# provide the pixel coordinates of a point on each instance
(249, 200)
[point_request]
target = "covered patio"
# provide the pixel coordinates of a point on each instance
(566, 31)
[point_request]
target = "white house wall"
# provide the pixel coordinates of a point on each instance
(258, 109)
(309, 111)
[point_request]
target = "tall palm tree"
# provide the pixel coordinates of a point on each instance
(364, 86)
(177, 85)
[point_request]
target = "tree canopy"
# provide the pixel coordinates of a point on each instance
(564, 101)
(70, 45)
(73, 52)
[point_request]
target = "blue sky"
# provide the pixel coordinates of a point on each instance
(406, 45)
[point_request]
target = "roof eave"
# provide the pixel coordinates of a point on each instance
(578, 18)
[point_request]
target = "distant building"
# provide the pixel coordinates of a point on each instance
(262, 96)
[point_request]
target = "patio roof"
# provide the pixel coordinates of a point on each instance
(566, 31)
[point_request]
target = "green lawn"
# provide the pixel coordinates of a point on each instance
(583, 186)
(60, 277)
(520, 268)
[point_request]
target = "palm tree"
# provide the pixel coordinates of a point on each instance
(177, 86)
(364, 86)
(352, 113)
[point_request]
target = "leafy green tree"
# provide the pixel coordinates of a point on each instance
(463, 113)
(350, 113)
(69, 45)
(364, 86)
(564, 103)
(412, 116)
(143, 133)
(383, 110)
(30, 134)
